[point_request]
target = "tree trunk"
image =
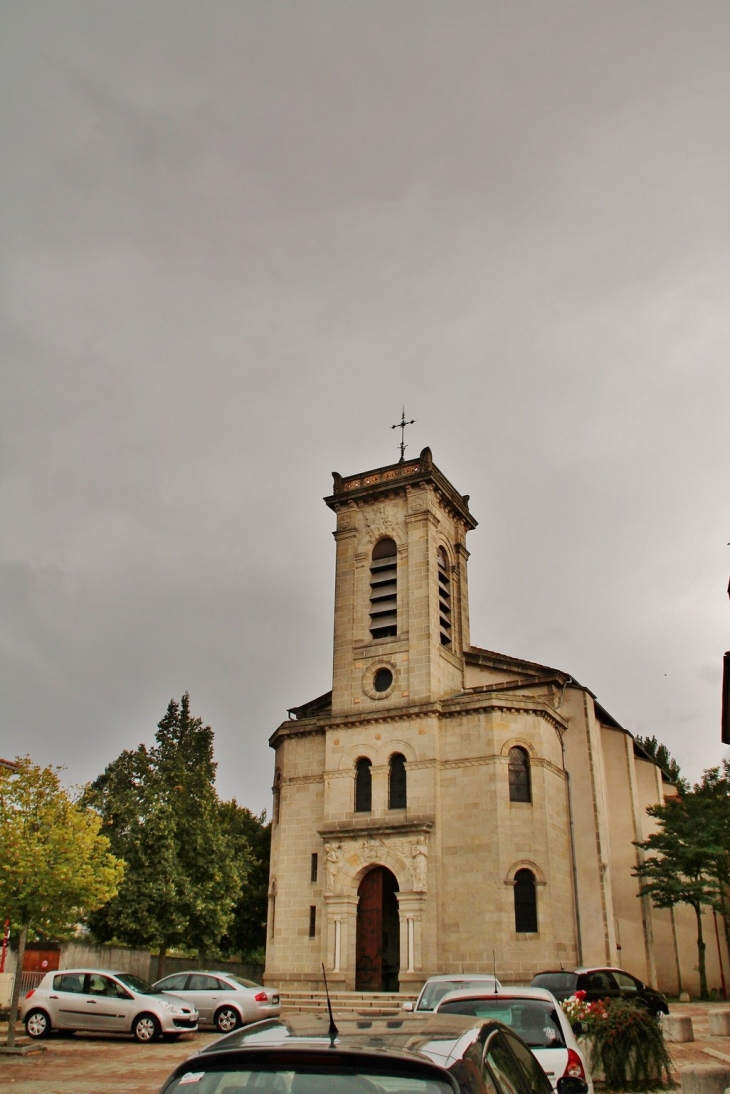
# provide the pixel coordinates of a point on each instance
(13, 1016)
(161, 960)
(701, 947)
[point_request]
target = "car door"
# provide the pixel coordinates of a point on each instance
(107, 1010)
(67, 1001)
(203, 991)
(537, 1080)
(504, 1067)
(627, 986)
(598, 984)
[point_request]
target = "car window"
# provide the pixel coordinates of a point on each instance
(198, 982)
(223, 986)
(173, 983)
(101, 985)
(597, 981)
(432, 993)
(73, 981)
(244, 983)
(201, 1077)
(535, 1020)
(555, 981)
(537, 1080)
(504, 1066)
(625, 982)
(135, 983)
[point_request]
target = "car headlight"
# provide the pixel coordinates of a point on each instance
(172, 1008)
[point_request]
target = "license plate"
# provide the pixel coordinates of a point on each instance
(275, 999)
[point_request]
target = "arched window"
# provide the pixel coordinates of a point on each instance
(525, 902)
(363, 786)
(519, 775)
(384, 589)
(444, 598)
(397, 797)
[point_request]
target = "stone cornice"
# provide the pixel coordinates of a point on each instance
(375, 827)
(394, 478)
(466, 702)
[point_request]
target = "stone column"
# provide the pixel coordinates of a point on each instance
(410, 909)
(341, 914)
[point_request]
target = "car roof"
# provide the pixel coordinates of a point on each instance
(91, 972)
(503, 993)
(447, 976)
(202, 972)
(433, 1038)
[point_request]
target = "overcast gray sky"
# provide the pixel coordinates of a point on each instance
(237, 237)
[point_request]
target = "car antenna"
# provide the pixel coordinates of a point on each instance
(333, 1030)
(494, 967)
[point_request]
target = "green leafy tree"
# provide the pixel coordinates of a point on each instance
(162, 814)
(664, 759)
(246, 936)
(55, 865)
(679, 867)
(710, 797)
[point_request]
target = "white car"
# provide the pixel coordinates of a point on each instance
(221, 999)
(437, 986)
(99, 1000)
(537, 1017)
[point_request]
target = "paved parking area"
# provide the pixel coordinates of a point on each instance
(96, 1064)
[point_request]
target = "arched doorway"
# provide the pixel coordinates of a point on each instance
(378, 932)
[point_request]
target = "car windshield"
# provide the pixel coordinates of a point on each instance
(240, 980)
(432, 993)
(555, 981)
(309, 1081)
(136, 983)
(535, 1020)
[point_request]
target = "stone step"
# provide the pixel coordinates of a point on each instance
(344, 1002)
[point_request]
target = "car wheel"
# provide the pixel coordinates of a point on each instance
(146, 1028)
(37, 1024)
(227, 1019)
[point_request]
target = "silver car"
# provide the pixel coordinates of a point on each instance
(221, 999)
(436, 987)
(98, 1000)
(537, 1017)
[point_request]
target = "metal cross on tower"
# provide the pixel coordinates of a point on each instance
(402, 426)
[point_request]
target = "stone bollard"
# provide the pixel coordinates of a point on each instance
(677, 1027)
(705, 1079)
(719, 1023)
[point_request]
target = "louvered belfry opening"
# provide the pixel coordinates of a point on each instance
(384, 589)
(444, 598)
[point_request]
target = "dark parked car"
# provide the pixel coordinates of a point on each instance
(414, 1054)
(601, 983)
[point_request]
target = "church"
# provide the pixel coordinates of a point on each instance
(447, 808)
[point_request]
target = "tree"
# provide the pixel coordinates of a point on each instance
(679, 869)
(162, 814)
(664, 759)
(711, 798)
(246, 936)
(55, 866)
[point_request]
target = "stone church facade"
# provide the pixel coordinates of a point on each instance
(445, 807)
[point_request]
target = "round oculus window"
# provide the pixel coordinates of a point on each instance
(382, 680)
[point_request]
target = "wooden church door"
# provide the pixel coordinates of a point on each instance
(377, 956)
(369, 950)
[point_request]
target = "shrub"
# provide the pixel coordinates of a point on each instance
(629, 1045)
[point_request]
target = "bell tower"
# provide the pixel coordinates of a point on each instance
(401, 604)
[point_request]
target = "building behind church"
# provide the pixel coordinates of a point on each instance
(445, 807)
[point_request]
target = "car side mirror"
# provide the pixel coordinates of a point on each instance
(571, 1085)
(408, 1005)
